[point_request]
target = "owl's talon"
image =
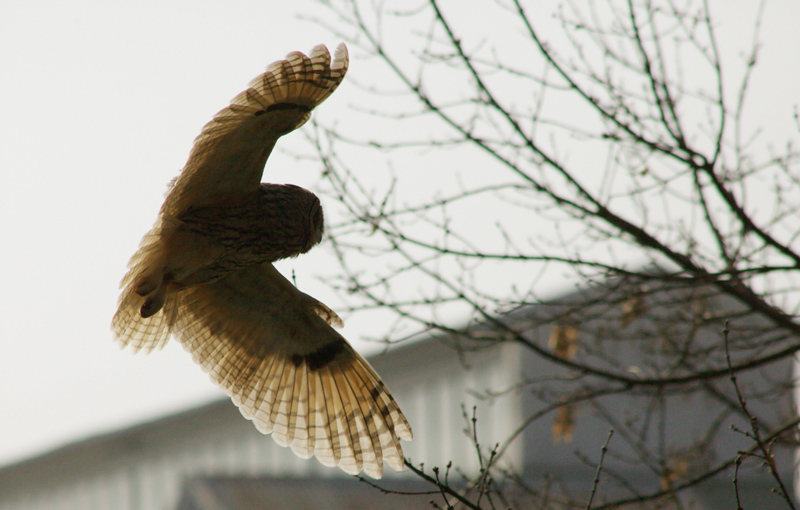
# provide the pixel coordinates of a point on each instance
(152, 305)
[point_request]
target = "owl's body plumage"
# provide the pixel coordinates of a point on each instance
(204, 274)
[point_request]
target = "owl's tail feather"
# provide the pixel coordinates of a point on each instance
(140, 333)
(138, 323)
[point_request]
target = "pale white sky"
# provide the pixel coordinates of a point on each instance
(99, 104)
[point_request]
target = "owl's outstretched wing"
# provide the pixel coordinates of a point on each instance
(268, 345)
(229, 155)
(227, 160)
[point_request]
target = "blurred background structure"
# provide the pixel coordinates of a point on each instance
(461, 393)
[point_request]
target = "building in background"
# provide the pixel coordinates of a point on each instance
(212, 458)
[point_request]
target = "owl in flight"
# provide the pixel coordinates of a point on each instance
(204, 273)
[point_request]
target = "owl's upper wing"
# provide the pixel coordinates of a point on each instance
(268, 345)
(230, 153)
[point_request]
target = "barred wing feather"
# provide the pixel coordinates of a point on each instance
(266, 344)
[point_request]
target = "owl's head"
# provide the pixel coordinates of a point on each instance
(296, 216)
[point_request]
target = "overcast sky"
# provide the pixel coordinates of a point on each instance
(99, 104)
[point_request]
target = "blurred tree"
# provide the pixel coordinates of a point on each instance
(516, 149)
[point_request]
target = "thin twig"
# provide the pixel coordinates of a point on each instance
(445, 489)
(596, 481)
(755, 435)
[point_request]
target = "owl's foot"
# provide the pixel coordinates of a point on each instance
(155, 290)
(154, 303)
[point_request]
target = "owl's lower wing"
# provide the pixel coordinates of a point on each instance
(229, 155)
(269, 347)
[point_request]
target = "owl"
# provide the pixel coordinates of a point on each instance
(204, 274)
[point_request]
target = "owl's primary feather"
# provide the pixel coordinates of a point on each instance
(265, 343)
(204, 273)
